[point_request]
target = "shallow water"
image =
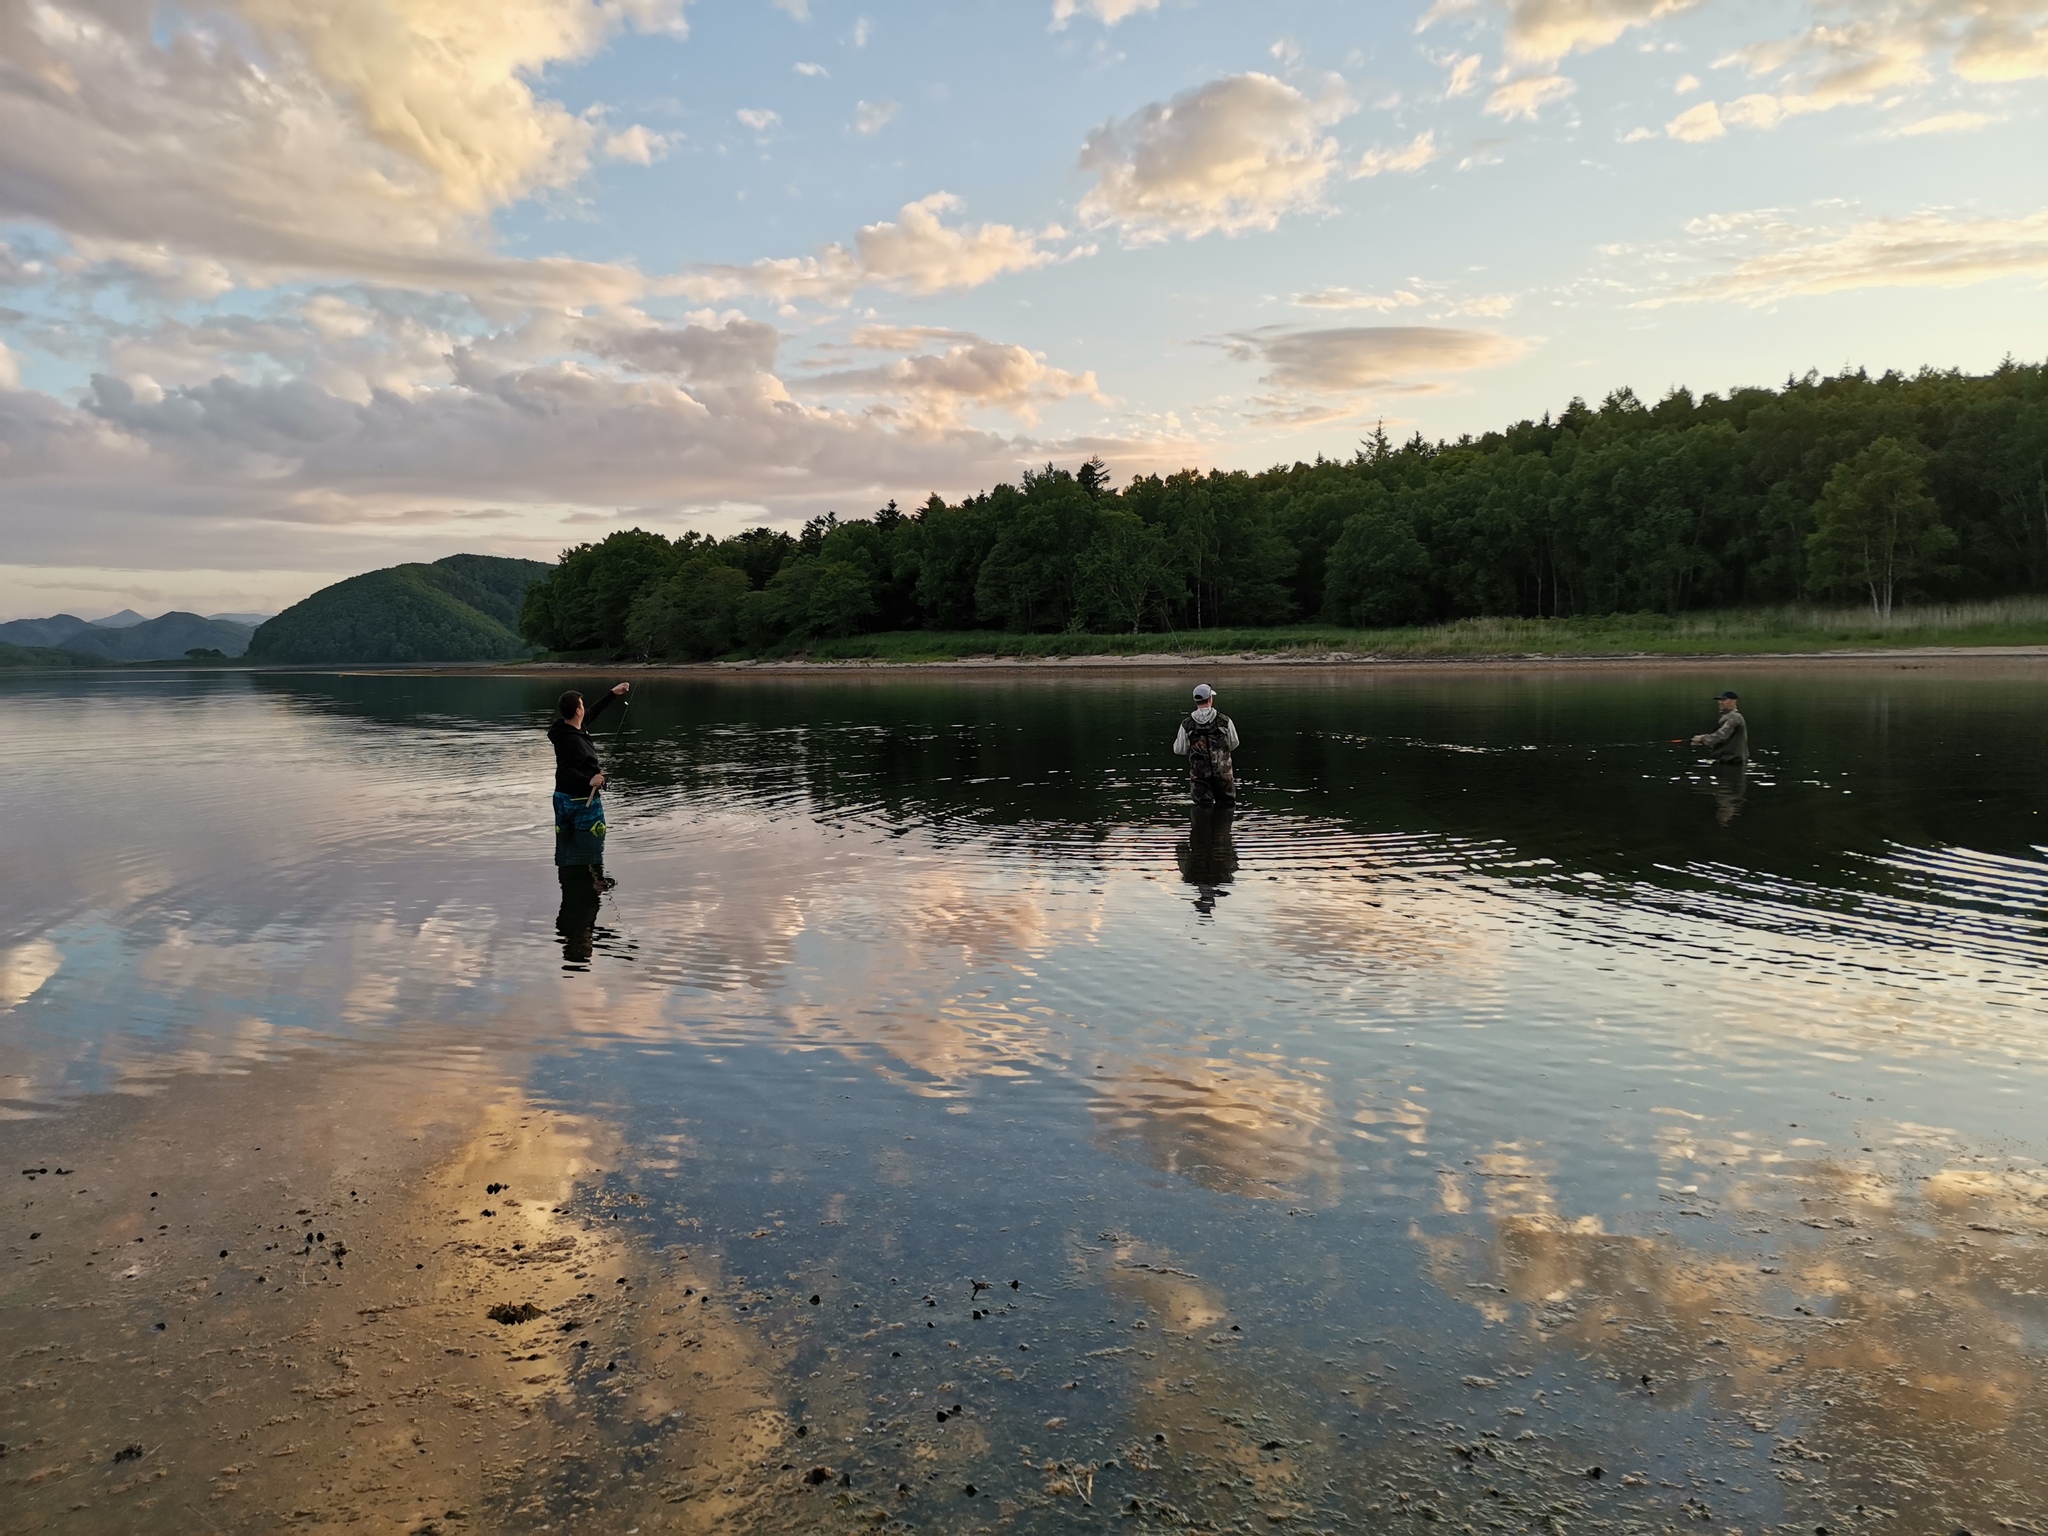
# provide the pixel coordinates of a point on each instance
(1496, 1098)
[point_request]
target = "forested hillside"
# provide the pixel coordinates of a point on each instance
(462, 608)
(1866, 489)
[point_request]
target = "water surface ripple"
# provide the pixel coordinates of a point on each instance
(1501, 1120)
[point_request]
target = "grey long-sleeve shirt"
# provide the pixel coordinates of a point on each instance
(1729, 739)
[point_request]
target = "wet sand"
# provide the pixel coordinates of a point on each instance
(337, 1368)
(260, 1302)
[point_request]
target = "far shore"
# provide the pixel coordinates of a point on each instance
(1917, 656)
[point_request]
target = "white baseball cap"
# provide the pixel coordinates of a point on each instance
(1204, 692)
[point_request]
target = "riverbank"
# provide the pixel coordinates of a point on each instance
(2009, 628)
(2014, 622)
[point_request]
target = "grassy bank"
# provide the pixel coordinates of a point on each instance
(2012, 621)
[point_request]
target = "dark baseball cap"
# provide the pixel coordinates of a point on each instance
(1730, 694)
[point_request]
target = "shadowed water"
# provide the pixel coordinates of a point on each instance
(1499, 1121)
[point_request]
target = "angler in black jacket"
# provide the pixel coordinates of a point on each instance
(579, 774)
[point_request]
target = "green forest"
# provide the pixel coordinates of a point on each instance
(1868, 491)
(461, 608)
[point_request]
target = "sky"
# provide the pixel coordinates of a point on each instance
(292, 289)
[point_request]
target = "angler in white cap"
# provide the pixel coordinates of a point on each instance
(1206, 739)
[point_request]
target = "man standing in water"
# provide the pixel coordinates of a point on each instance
(1729, 739)
(1206, 739)
(579, 774)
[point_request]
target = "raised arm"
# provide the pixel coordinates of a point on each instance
(612, 697)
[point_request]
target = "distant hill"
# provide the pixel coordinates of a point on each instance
(127, 618)
(15, 656)
(463, 608)
(52, 631)
(164, 638)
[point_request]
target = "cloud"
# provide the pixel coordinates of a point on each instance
(796, 10)
(1686, 85)
(283, 474)
(863, 30)
(1358, 358)
(917, 253)
(636, 144)
(813, 71)
(1108, 12)
(937, 389)
(1528, 96)
(1849, 56)
(735, 349)
(1696, 125)
(10, 368)
(1233, 155)
(1545, 31)
(1765, 257)
(1412, 156)
(1947, 122)
(1350, 298)
(871, 117)
(760, 119)
(1464, 76)
(293, 137)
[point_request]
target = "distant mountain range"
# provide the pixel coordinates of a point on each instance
(463, 608)
(127, 636)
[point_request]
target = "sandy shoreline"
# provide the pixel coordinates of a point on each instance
(1915, 658)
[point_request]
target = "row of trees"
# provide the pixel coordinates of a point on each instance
(1862, 487)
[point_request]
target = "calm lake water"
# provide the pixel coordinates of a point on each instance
(1501, 1122)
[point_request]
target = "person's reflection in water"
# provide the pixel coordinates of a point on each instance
(1728, 786)
(1208, 855)
(579, 864)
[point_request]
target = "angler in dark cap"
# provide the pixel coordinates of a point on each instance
(1730, 739)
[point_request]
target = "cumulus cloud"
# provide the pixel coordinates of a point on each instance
(1464, 76)
(813, 71)
(283, 474)
(760, 119)
(1412, 156)
(1696, 125)
(938, 388)
(1764, 257)
(641, 146)
(1545, 31)
(1108, 12)
(871, 117)
(366, 138)
(10, 368)
(1233, 155)
(735, 349)
(917, 252)
(1353, 359)
(1528, 96)
(1852, 55)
